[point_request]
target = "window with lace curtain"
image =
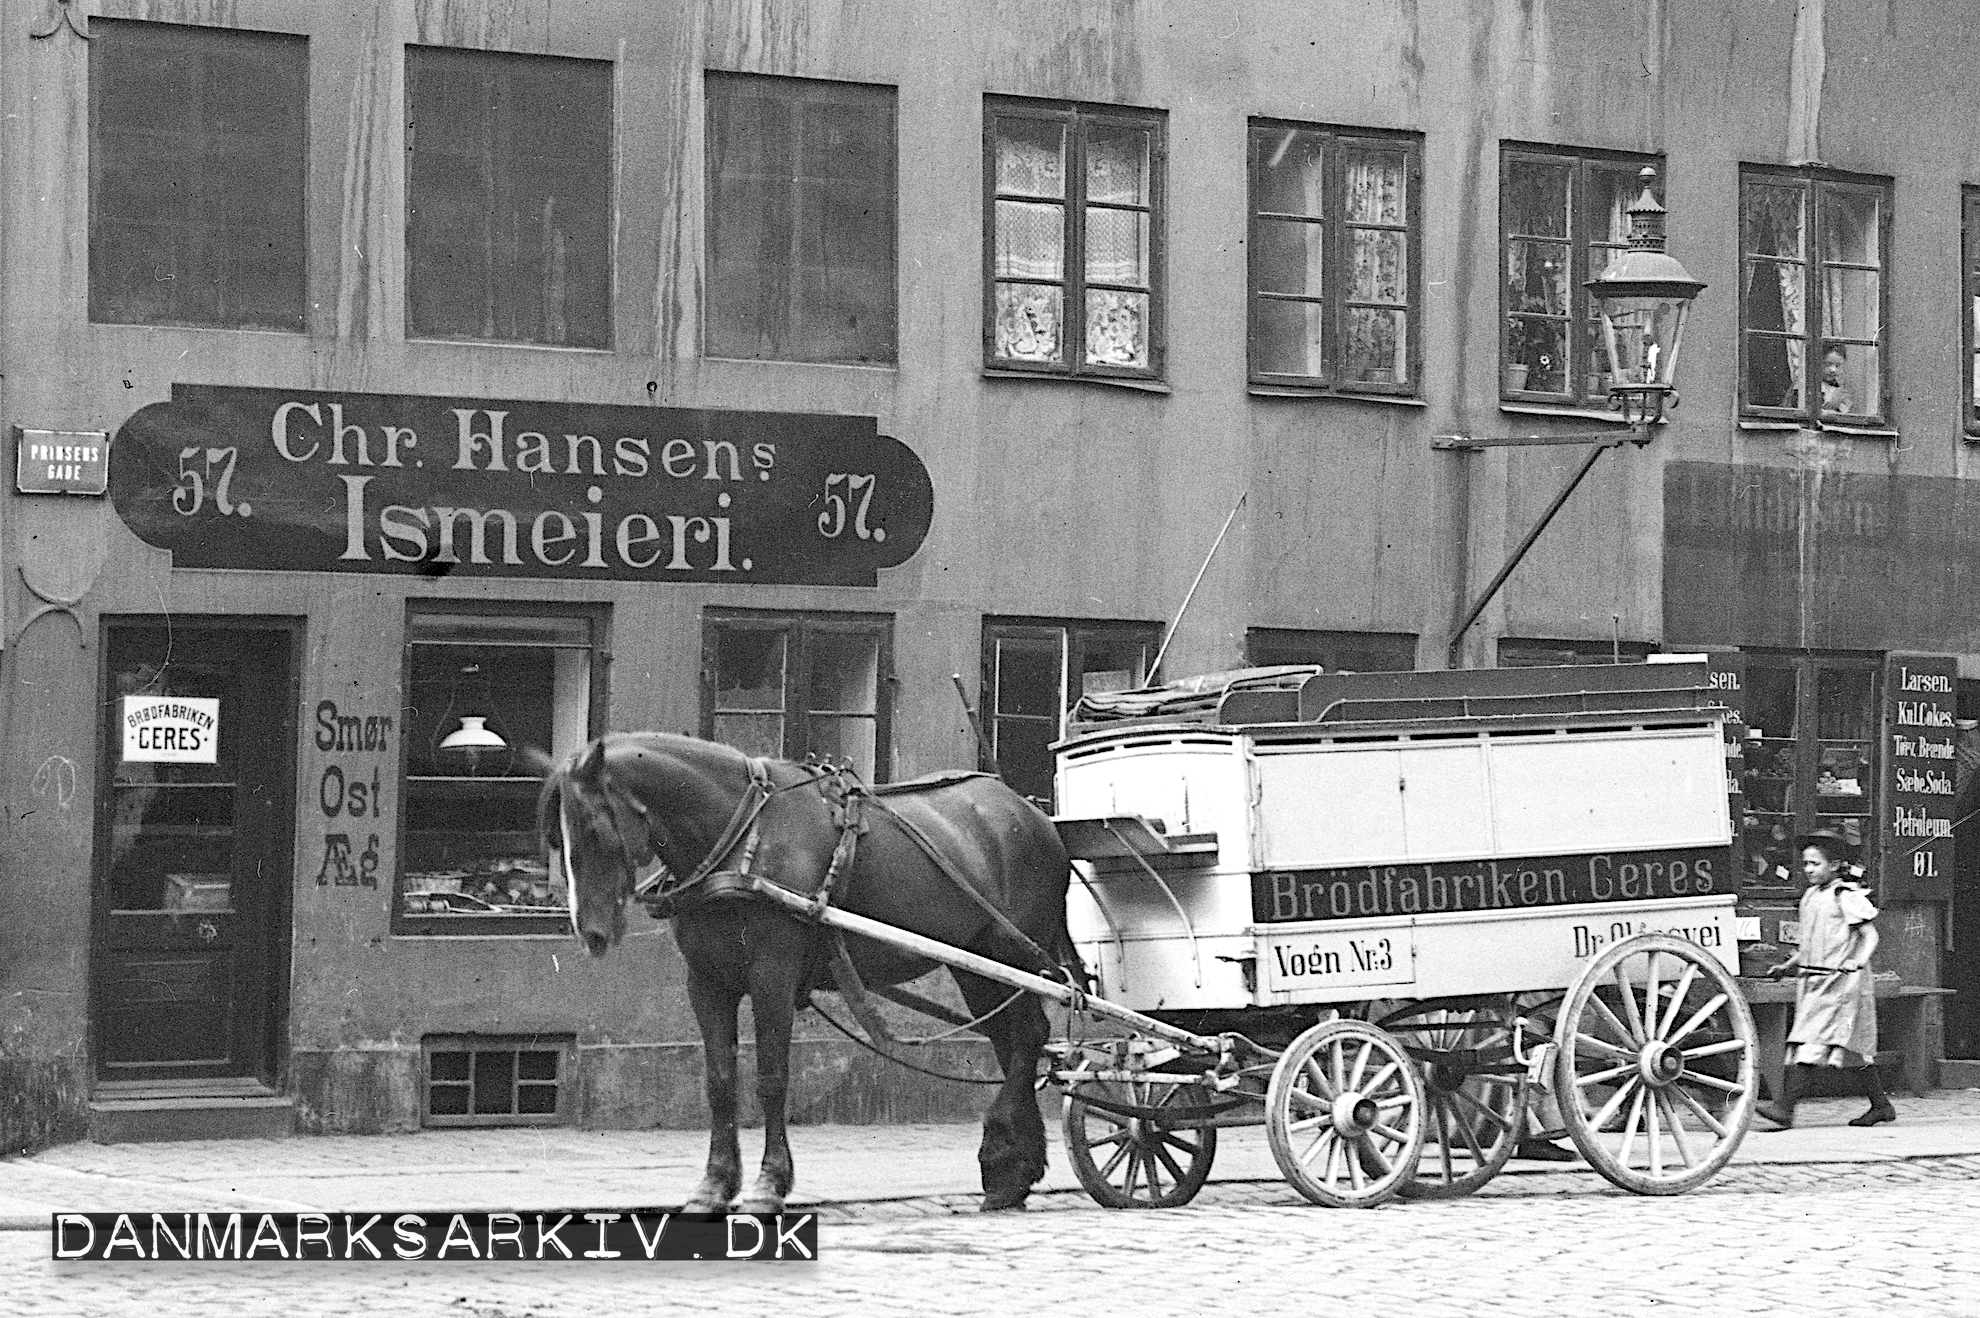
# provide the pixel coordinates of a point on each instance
(1073, 239)
(1811, 300)
(1335, 243)
(1563, 216)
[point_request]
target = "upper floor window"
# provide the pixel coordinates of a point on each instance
(1339, 652)
(509, 197)
(1335, 239)
(1563, 216)
(196, 176)
(793, 685)
(1811, 306)
(800, 220)
(1969, 232)
(1073, 212)
(1034, 670)
(485, 685)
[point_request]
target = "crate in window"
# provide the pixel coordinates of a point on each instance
(199, 892)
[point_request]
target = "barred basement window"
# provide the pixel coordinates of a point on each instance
(492, 1080)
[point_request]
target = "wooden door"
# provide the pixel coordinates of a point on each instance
(193, 852)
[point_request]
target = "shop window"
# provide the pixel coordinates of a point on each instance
(196, 176)
(794, 686)
(1335, 240)
(490, 699)
(1527, 652)
(1563, 216)
(1811, 306)
(1810, 758)
(1034, 669)
(491, 1080)
(800, 220)
(1969, 234)
(509, 197)
(1337, 652)
(1073, 214)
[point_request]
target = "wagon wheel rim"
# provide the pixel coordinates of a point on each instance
(1474, 1094)
(1656, 1073)
(1127, 1161)
(1344, 1114)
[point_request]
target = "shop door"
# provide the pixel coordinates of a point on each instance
(193, 852)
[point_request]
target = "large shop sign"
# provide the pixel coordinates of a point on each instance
(292, 480)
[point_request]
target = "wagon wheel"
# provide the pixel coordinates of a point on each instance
(1344, 1114)
(1655, 1074)
(1128, 1161)
(1474, 1092)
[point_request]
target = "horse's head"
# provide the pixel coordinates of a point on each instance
(597, 838)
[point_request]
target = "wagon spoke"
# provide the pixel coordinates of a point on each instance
(1382, 1077)
(1699, 1017)
(1443, 1113)
(1157, 1151)
(1120, 1133)
(1389, 1133)
(1674, 1123)
(1631, 1127)
(1322, 1142)
(1361, 1069)
(1616, 1100)
(1382, 1165)
(1677, 999)
(1713, 1082)
(1312, 1103)
(1591, 1043)
(1650, 995)
(1327, 1088)
(1631, 1034)
(1714, 1049)
(1604, 1077)
(1700, 1111)
(1497, 1119)
(1630, 1012)
(1356, 1177)
(1125, 1151)
(1650, 1135)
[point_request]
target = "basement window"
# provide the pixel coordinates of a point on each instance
(487, 1080)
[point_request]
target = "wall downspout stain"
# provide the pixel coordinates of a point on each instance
(1807, 63)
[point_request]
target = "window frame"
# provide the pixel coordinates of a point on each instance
(1580, 239)
(1073, 637)
(803, 90)
(1330, 646)
(1548, 652)
(1969, 311)
(799, 625)
(608, 255)
(597, 618)
(1078, 117)
(1335, 259)
(1812, 181)
(298, 319)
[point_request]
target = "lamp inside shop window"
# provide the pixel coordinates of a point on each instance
(473, 739)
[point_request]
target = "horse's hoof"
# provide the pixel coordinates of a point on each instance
(760, 1207)
(1003, 1202)
(703, 1206)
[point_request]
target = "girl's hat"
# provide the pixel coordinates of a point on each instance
(1833, 844)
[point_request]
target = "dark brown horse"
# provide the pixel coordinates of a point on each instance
(695, 823)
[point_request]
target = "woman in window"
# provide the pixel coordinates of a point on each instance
(1835, 1010)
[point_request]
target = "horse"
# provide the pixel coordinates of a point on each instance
(690, 825)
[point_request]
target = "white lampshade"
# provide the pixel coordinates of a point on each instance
(474, 734)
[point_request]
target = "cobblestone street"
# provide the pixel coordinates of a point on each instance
(1888, 1239)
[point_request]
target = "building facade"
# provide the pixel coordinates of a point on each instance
(401, 386)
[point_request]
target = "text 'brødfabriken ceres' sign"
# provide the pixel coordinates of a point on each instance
(328, 482)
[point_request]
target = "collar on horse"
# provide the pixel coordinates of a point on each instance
(662, 891)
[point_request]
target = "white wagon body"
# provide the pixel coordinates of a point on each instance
(1414, 835)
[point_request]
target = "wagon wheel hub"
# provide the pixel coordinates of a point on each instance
(1660, 1064)
(1354, 1114)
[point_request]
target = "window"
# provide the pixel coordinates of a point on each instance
(1338, 652)
(196, 176)
(491, 1080)
(1523, 652)
(1563, 216)
(1034, 670)
(1341, 201)
(1811, 303)
(508, 231)
(800, 220)
(1810, 761)
(1969, 235)
(1073, 226)
(484, 689)
(798, 685)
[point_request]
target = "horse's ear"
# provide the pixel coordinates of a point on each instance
(590, 766)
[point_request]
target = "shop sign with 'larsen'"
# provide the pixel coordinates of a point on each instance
(297, 480)
(171, 729)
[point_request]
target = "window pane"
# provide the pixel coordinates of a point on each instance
(1849, 379)
(1028, 318)
(1373, 184)
(1111, 662)
(1536, 357)
(800, 220)
(1031, 157)
(1116, 328)
(1379, 270)
(1536, 200)
(1842, 704)
(1773, 219)
(752, 734)
(844, 738)
(1849, 226)
(1773, 371)
(1375, 346)
(1850, 306)
(1024, 756)
(509, 197)
(1031, 240)
(1117, 164)
(845, 669)
(1611, 191)
(1290, 175)
(1288, 337)
(196, 176)
(1117, 246)
(750, 667)
(1289, 256)
(1537, 277)
(1028, 677)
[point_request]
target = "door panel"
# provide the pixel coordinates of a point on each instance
(193, 861)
